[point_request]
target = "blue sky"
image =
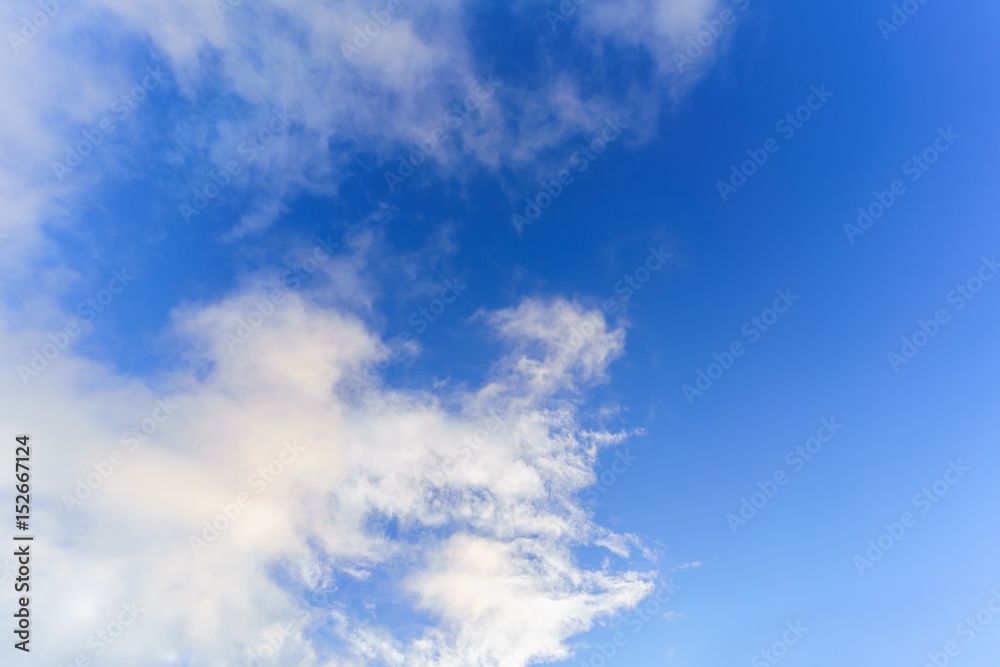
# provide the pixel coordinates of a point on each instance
(602, 478)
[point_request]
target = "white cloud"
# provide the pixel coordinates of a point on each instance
(484, 509)
(288, 53)
(423, 501)
(257, 219)
(558, 344)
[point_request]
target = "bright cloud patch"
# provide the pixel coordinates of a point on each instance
(256, 480)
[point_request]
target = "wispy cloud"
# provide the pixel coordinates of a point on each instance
(482, 557)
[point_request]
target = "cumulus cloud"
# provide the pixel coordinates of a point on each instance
(558, 344)
(459, 512)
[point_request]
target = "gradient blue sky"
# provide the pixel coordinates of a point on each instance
(324, 176)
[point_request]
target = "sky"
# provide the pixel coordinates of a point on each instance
(582, 333)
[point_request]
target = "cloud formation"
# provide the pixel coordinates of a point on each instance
(226, 70)
(253, 491)
(252, 479)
